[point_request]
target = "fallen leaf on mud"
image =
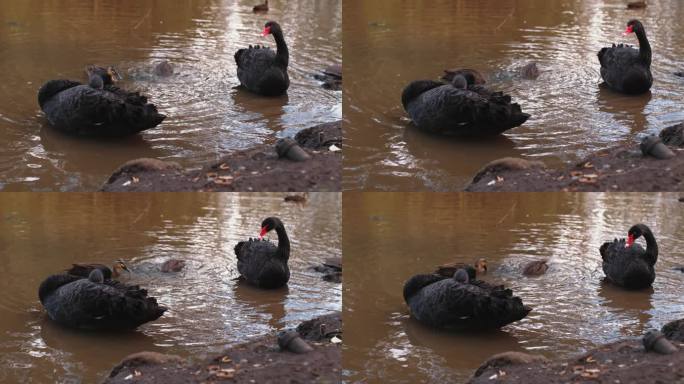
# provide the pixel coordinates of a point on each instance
(587, 180)
(224, 180)
(591, 176)
(499, 179)
(577, 369)
(491, 182)
(128, 377)
(493, 377)
(227, 373)
(576, 173)
(137, 373)
(126, 184)
(588, 164)
(135, 180)
(590, 359)
(334, 148)
(226, 359)
(212, 175)
(335, 340)
(224, 166)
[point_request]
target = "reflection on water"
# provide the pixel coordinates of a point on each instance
(388, 237)
(41, 40)
(389, 44)
(41, 234)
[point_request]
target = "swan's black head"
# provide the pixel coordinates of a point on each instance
(269, 224)
(460, 82)
(107, 76)
(96, 276)
(636, 232)
(271, 28)
(461, 276)
(634, 26)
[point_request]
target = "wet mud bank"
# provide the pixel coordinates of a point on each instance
(625, 361)
(622, 168)
(255, 169)
(258, 361)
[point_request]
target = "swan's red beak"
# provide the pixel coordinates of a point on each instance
(263, 232)
(266, 31)
(629, 30)
(630, 240)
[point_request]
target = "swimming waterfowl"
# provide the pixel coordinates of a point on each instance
(461, 304)
(459, 108)
(626, 263)
(96, 303)
(98, 108)
(535, 268)
(625, 69)
(261, 7)
(261, 70)
(260, 262)
(84, 269)
(448, 269)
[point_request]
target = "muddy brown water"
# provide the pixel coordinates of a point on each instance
(388, 44)
(41, 234)
(388, 237)
(207, 118)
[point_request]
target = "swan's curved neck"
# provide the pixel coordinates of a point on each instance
(282, 54)
(283, 251)
(644, 46)
(651, 246)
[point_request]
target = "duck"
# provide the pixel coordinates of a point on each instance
(460, 108)
(173, 265)
(448, 269)
(636, 5)
(529, 71)
(535, 268)
(261, 7)
(260, 262)
(262, 71)
(473, 76)
(627, 264)
(94, 303)
(625, 69)
(84, 269)
(459, 303)
(97, 108)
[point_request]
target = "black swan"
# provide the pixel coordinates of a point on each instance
(459, 303)
(96, 109)
(448, 269)
(536, 268)
(627, 264)
(260, 262)
(460, 108)
(95, 303)
(84, 270)
(625, 69)
(261, 70)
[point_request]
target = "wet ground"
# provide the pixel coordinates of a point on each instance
(41, 234)
(390, 237)
(207, 118)
(389, 44)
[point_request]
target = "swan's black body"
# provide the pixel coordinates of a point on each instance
(461, 304)
(631, 267)
(625, 69)
(460, 108)
(260, 262)
(261, 70)
(96, 109)
(96, 303)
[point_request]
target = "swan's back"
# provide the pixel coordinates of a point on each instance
(259, 265)
(477, 305)
(627, 266)
(623, 69)
(80, 303)
(260, 72)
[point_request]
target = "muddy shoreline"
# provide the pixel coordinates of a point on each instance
(620, 168)
(257, 361)
(624, 361)
(255, 169)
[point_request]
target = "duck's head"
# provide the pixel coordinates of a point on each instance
(271, 28)
(634, 26)
(108, 75)
(460, 82)
(268, 225)
(118, 268)
(96, 276)
(461, 276)
(481, 265)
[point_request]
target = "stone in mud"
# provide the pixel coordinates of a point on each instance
(655, 341)
(143, 165)
(509, 358)
(674, 330)
(144, 358)
(506, 164)
(674, 135)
